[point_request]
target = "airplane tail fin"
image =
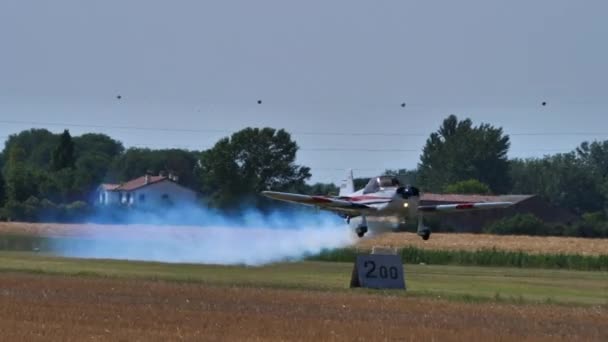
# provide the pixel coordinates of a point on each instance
(348, 185)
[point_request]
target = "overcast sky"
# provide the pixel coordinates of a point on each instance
(318, 67)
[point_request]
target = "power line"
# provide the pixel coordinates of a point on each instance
(140, 128)
(355, 149)
(328, 149)
(311, 133)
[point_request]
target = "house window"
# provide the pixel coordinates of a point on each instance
(142, 197)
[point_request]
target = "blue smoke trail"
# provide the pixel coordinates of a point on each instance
(198, 235)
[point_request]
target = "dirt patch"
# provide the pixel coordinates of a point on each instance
(471, 242)
(75, 308)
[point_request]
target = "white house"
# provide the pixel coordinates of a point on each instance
(146, 191)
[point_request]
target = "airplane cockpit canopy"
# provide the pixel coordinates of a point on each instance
(377, 183)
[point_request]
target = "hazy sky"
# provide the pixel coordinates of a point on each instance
(318, 66)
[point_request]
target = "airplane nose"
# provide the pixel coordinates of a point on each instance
(408, 191)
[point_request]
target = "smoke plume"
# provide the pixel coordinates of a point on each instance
(197, 235)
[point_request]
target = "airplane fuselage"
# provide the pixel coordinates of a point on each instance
(385, 202)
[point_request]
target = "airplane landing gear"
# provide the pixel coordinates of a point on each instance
(423, 232)
(362, 228)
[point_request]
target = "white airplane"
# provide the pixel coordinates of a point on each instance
(382, 197)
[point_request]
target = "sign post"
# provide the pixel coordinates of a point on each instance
(378, 271)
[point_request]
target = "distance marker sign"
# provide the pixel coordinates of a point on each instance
(378, 271)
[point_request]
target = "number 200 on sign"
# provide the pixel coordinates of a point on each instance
(383, 272)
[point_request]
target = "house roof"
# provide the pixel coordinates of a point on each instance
(109, 186)
(134, 184)
(461, 198)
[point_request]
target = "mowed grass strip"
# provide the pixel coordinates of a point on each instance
(409, 254)
(449, 282)
(482, 257)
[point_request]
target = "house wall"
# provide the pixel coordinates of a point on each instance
(160, 194)
(112, 198)
(106, 197)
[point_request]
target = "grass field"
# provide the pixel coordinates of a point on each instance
(57, 299)
(450, 282)
(481, 257)
(45, 297)
(70, 308)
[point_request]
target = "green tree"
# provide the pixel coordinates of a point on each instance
(51, 167)
(360, 182)
(250, 161)
(99, 144)
(459, 151)
(470, 186)
(94, 155)
(37, 146)
(63, 154)
(520, 224)
(20, 179)
(326, 189)
(594, 156)
(561, 179)
(2, 189)
(404, 176)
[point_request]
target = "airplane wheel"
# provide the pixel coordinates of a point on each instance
(425, 234)
(361, 231)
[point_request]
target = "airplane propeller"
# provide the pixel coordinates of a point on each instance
(408, 191)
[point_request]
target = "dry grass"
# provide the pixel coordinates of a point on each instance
(56, 308)
(80, 230)
(438, 241)
(471, 242)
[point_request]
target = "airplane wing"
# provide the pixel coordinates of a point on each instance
(464, 206)
(323, 202)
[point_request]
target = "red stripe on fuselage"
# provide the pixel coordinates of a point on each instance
(465, 206)
(366, 198)
(319, 199)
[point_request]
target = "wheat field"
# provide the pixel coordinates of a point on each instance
(438, 241)
(471, 242)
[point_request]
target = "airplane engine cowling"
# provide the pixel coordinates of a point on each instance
(407, 192)
(408, 199)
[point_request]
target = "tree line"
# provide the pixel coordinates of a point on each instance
(47, 176)
(43, 172)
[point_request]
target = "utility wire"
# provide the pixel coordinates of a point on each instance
(323, 149)
(214, 130)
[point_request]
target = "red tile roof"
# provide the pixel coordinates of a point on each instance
(140, 182)
(134, 183)
(109, 187)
